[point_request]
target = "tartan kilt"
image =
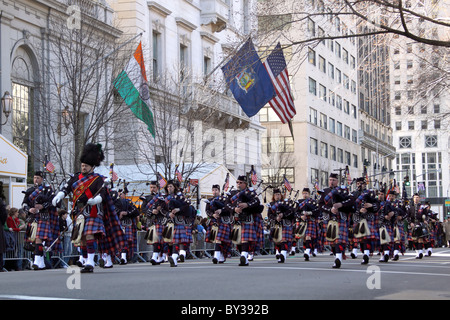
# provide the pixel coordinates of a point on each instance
(94, 226)
(259, 226)
(401, 231)
(181, 234)
(287, 233)
(311, 229)
(114, 239)
(130, 235)
(343, 232)
(48, 229)
(323, 235)
(223, 234)
(248, 232)
(159, 229)
(374, 231)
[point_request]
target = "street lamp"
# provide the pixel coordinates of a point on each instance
(7, 101)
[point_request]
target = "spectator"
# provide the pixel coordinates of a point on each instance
(3, 217)
(446, 228)
(65, 227)
(16, 226)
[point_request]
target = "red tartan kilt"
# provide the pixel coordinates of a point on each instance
(94, 226)
(159, 229)
(248, 232)
(343, 232)
(259, 226)
(401, 230)
(311, 229)
(223, 232)
(374, 232)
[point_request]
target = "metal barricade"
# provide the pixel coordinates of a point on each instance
(17, 252)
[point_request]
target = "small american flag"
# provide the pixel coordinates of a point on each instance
(227, 183)
(253, 176)
(282, 103)
(316, 185)
(287, 185)
(162, 181)
(49, 166)
(114, 176)
(178, 174)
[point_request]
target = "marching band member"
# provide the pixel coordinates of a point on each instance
(417, 218)
(243, 203)
(334, 205)
(308, 213)
(398, 225)
(127, 213)
(386, 217)
(365, 228)
(280, 216)
(219, 227)
(93, 207)
(155, 223)
(38, 203)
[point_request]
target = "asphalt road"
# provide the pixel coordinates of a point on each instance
(263, 280)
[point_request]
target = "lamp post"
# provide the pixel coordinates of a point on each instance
(7, 101)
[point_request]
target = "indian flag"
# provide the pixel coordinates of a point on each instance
(133, 87)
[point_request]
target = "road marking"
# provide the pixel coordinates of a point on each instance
(22, 297)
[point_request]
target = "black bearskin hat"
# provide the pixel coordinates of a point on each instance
(92, 154)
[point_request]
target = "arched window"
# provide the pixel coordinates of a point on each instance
(22, 85)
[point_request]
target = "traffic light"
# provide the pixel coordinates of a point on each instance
(406, 181)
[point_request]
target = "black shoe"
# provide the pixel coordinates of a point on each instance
(242, 261)
(181, 258)
(353, 255)
(292, 253)
(123, 261)
(87, 269)
(154, 262)
(108, 267)
(395, 258)
(365, 259)
(172, 262)
(79, 264)
(277, 256)
(306, 256)
(101, 263)
(36, 267)
(420, 256)
(281, 259)
(337, 264)
(386, 258)
(214, 260)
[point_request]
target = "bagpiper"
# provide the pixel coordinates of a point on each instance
(308, 214)
(155, 223)
(417, 218)
(365, 228)
(93, 208)
(335, 205)
(219, 225)
(281, 218)
(38, 204)
(127, 213)
(398, 224)
(243, 203)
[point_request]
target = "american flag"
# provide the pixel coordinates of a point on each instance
(49, 166)
(178, 174)
(316, 185)
(114, 176)
(162, 181)
(287, 185)
(227, 183)
(253, 176)
(282, 103)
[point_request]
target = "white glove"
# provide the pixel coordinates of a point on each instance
(57, 199)
(95, 201)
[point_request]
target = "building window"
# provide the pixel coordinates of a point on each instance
(311, 56)
(313, 146)
(410, 125)
(323, 121)
(333, 153)
(405, 142)
(322, 64)
(437, 124)
(156, 58)
(313, 116)
(424, 124)
(322, 92)
(312, 86)
(323, 149)
(314, 175)
(431, 142)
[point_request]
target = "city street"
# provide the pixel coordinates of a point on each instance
(263, 280)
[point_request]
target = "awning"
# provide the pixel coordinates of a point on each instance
(13, 164)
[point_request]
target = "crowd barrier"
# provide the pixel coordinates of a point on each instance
(198, 249)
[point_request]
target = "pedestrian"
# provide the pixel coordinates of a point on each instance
(14, 225)
(3, 217)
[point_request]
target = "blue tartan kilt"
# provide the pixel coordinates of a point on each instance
(311, 229)
(181, 234)
(94, 226)
(248, 232)
(323, 232)
(401, 231)
(287, 233)
(259, 227)
(343, 232)
(223, 234)
(130, 235)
